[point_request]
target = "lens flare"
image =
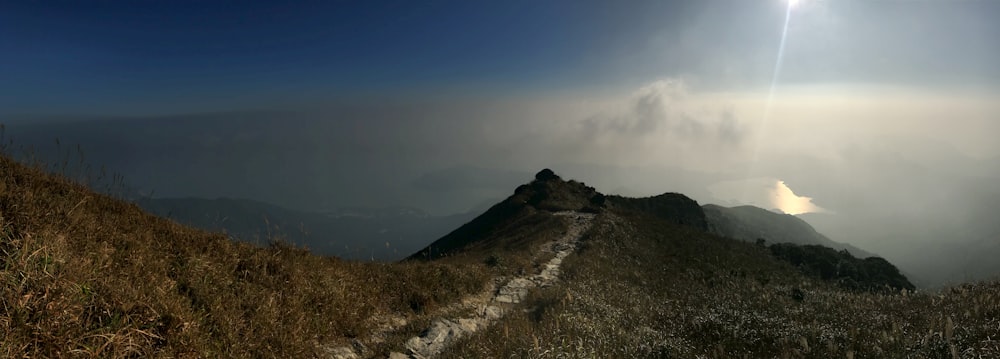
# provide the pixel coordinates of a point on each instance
(775, 76)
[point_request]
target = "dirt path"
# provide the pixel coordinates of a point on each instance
(443, 332)
(492, 305)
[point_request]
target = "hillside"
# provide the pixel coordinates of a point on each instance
(82, 274)
(555, 270)
(641, 287)
(749, 223)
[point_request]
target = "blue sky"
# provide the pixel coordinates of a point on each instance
(77, 51)
(185, 56)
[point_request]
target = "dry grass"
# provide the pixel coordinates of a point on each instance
(83, 274)
(641, 287)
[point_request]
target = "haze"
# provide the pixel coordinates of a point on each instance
(877, 122)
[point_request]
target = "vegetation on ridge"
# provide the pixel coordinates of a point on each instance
(871, 274)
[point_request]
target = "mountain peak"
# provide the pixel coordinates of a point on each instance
(534, 202)
(546, 175)
(549, 192)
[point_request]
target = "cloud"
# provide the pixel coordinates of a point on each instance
(729, 128)
(668, 109)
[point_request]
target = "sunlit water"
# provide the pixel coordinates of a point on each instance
(764, 192)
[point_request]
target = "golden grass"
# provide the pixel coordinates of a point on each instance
(83, 274)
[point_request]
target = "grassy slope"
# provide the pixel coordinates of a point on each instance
(85, 274)
(642, 287)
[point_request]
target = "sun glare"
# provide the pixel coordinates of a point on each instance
(793, 3)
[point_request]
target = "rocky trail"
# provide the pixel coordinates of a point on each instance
(491, 305)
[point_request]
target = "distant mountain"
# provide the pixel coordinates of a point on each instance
(354, 232)
(750, 223)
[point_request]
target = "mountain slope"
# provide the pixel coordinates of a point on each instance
(83, 274)
(644, 287)
(750, 223)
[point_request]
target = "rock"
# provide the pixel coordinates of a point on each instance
(492, 312)
(441, 333)
(469, 325)
(546, 175)
(398, 355)
(342, 353)
(514, 291)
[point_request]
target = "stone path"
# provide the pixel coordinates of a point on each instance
(443, 332)
(489, 306)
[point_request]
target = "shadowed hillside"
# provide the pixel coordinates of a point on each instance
(872, 274)
(516, 223)
(672, 207)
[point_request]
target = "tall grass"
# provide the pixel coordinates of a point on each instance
(85, 274)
